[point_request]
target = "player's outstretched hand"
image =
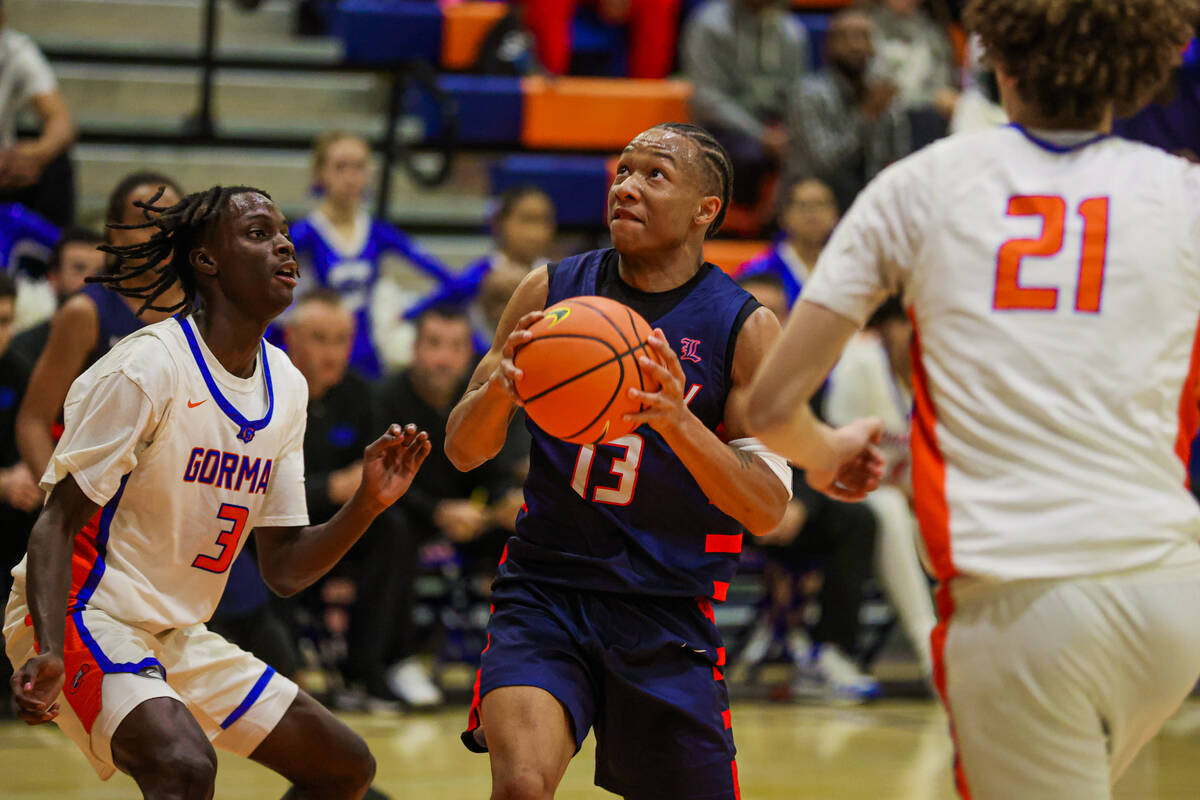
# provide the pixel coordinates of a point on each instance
(854, 465)
(390, 463)
(664, 410)
(507, 374)
(36, 686)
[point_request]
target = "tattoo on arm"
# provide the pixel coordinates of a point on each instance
(746, 459)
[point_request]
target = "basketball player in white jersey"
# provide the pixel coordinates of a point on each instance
(1052, 274)
(185, 437)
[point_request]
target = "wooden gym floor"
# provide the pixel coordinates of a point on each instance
(892, 750)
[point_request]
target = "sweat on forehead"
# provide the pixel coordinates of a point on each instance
(677, 147)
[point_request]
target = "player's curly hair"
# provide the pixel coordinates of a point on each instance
(717, 162)
(166, 254)
(1071, 58)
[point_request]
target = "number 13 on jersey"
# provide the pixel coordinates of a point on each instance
(1011, 295)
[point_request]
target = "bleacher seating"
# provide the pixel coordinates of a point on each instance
(130, 113)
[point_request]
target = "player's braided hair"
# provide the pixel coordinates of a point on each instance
(716, 161)
(1071, 58)
(166, 254)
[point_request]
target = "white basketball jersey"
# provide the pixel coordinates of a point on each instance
(185, 460)
(1054, 281)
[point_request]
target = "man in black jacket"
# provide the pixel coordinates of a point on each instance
(342, 417)
(474, 510)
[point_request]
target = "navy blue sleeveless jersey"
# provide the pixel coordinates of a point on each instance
(628, 516)
(116, 319)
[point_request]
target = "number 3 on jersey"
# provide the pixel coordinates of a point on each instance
(1010, 295)
(227, 539)
(625, 468)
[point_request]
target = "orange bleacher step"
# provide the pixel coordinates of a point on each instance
(729, 254)
(597, 113)
(464, 27)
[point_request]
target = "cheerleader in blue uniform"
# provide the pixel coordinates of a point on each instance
(523, 228)
(341, 247)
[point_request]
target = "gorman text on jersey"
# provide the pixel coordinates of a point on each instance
(227, 470)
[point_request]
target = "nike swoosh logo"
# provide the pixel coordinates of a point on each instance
(193, 405)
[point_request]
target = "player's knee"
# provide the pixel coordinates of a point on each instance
(353, 766)
(186, 772)
(522, 785)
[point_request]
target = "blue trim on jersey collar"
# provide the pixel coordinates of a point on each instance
(246, 428)
(1054, 147)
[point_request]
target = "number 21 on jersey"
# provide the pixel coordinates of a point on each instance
(1011, 295)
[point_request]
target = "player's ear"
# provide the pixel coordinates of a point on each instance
(706, 212)
(202, 261)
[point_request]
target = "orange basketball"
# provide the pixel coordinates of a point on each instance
(579, 367)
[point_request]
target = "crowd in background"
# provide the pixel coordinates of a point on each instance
(804, 141)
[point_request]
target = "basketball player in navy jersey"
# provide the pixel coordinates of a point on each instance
(602, 608)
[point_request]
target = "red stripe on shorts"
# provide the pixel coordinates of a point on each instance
(83, 677)
(723, 543)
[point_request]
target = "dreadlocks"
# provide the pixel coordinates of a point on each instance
(1071, 58)
(166, 255)
(716, 161)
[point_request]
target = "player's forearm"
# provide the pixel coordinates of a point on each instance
(798, 436)
(291, 561)
(737, 482)
(478, 426)
(48, 580)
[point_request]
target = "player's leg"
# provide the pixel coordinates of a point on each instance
(162, 747)
(318, 754)
(665, 729)
(530, 741)
(1153, 657)
(120, 719)
(248, 709)
(1017, 673)
(535, 695)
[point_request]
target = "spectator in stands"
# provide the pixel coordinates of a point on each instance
(744, 57)
(915, 52)
(35, 172)
(463, 507)
(1173, 121)
(341, 247)
(509, 48)
(844, 121)
(26, 242)
(840, 539)
(874, 379)
(523, 229)
(652, 25)
(73, 259)
(978, 107)
(90, 322)
(19, 494)
(806, 220)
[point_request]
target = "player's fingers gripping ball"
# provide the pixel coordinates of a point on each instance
(579, 367)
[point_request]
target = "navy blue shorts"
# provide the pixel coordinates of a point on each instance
(644, 672)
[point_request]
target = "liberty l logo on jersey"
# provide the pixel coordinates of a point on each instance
(687, 351)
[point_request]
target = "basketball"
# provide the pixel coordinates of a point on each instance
(579, 367)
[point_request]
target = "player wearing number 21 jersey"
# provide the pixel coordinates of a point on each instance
(1052, 274)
